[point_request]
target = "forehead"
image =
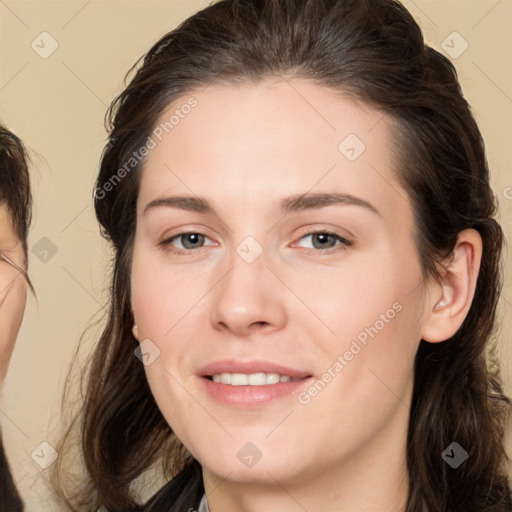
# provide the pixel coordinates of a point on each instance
(250, 144)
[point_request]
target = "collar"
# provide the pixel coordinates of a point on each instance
(203, 506)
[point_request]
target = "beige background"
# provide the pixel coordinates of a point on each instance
(57, 106)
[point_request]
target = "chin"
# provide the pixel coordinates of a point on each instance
(272, 466)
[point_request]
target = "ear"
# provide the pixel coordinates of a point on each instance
(450, 297)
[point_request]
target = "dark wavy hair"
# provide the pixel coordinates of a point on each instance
(16, 197)
(15, 193)
(373, 51)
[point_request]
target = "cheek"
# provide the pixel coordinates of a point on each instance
(162, 296)
(371, 331)
(374, 291)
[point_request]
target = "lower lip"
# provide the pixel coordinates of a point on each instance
(252, 396)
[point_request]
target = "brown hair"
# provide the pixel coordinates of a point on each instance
(16, 196)
(374, 51)
(15, 192)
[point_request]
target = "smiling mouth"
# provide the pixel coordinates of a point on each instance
(252, 379)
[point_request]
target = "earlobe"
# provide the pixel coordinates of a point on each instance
(450, 297)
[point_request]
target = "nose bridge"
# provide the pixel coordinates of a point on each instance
(246, 281)
(247, 294)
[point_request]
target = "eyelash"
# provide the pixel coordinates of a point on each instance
(344, 243)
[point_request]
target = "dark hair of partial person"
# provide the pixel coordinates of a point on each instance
(372, 51)
(15, 193)
(16, 196)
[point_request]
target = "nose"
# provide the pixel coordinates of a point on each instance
(248, 299)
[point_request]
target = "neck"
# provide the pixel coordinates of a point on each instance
(373, 479)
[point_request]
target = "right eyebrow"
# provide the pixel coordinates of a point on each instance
(189, 203)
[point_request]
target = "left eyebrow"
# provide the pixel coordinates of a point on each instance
(295, 203)
(302, 202)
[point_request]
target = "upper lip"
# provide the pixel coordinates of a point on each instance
(252, 366)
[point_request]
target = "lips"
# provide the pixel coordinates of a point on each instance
(237, 394)
(250, 367)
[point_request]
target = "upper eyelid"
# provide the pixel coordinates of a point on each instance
(342, 233)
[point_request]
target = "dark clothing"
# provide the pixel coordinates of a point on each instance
(183, 493)
(9, 498)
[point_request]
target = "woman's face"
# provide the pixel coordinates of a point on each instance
(13, 289)
(256, 288)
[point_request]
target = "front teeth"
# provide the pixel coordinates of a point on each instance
(253, 379)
